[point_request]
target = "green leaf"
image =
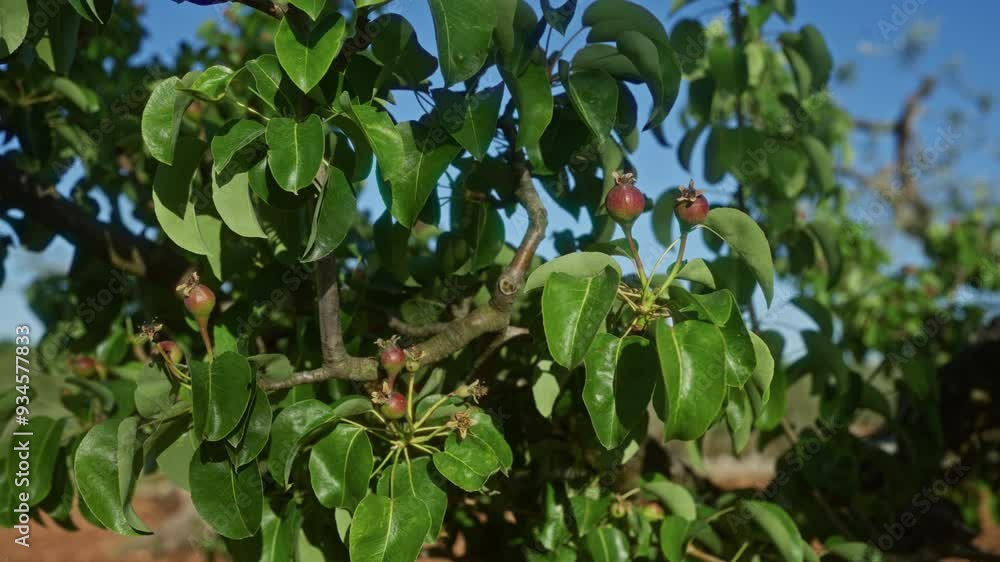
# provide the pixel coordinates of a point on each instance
(211, 84)
(546, 388)
(485, 431)
(720, 308)
(594, 95)
(269, 82)
(589, 512)
(573, 311)
(715, 155)
(99, 466)
(464, 29)
(692, 363)
(688, 41)
(809, 44)
(677, 498)
(152, 391)
(779, 527)
(413, 172)
(825, 232)
(686, 146)
(230, 500)
(14, 20)
(467, 463)
(854, 551)
(529, 88)
(747, 240)
(311, 7)
(162, 116)
(235, 206)
(470, 118)
(673, 537)
(172, 197)
(418, 478)
(821, 162)
(306, 49)
(607, 544)
(340, 465)
(333, 217)
(396, 47)
(295, 150)
(559, 18)
(288, 433)
(763, 372)
(258, 429)
(388, 529)
(606, 58)
(578, 264)
(618, 387)
(43, 445)
(84, 98)
(235, 136)
(739, 416)
(58, 48)
(220, 392)
(697, 270)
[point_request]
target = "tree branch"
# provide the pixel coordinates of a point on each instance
(337, 362)
(273, 9)
(509, 333)
(109, 242)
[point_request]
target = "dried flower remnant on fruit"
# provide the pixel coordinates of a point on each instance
(150, 329)
(691, 206)
(624, 201)
(461, 422)
(394, 406)
(477, 390)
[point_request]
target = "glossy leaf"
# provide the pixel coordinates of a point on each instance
(258, 429)
(161, 118)
(235, 205)
(295, 150)
(236, 136)
(779, 527)
(464, 29)
(559, 17)
(739, 416)
(268, 81)
(529, 88)
(306, 49)
(607, 544)
(747, 240)
(288, 433)
(396, 47)
(13, 26)
(230, 500)
(677, 499)
(418, 478)
(333, 217)
(577, 264)
(692, 363)
(221, 392)
(470, 118)
(172, 197)
(673, 537)
(388, 529)
(589, 512)
(414, 171)
(98, 470)
(340, 465)
(594, 94)
(618, 387)
(211, 84)
(573, 311)
(467, 463)
(152, 391)
(311, 7)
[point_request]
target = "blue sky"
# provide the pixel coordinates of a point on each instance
(863, 31)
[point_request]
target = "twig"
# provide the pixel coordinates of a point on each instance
(508, 334)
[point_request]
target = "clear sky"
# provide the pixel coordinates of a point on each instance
(866, 32)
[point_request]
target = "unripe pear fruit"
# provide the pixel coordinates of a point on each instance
(83, 365)
(625, 202)
(692, 206)
(200, 301)
(173, 351)
(394, 406)
(393, 359)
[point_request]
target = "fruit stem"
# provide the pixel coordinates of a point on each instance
(430, 436)
(392, 475)
(430, 411)
(374, 431)
(181, 377)
(203, 328)
(635, 258)
(677, 267)
(663, 256)
(409, 402)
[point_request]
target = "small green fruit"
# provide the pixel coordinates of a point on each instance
(395, 406)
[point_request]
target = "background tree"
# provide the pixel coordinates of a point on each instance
(375, 387)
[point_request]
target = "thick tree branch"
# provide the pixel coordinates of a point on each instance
(337, 362)
(109, 242)
(416, 330)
